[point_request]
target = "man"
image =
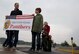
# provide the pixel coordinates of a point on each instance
(16, 11)
(36, 29)
(11, 33)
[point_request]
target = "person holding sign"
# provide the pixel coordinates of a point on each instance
(16, 11)
(36, 29)
(13, 33)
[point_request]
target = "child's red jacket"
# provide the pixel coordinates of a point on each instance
(46, 29)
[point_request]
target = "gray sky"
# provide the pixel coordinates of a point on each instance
(62, 16)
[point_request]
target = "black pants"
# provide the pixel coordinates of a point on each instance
(8, 41)
(15, 38)
(10, 35)
(49, 45)
(34, 35)
(46, 43)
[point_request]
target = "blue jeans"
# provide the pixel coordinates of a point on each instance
(34, 35)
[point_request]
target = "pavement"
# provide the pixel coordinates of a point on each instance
(25, 50)
(3, 51)
(54, 51)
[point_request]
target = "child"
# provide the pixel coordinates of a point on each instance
(46, 37)
(37, 26)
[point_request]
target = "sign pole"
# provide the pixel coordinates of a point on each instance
(72, 45)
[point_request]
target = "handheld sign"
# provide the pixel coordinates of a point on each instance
(19, 22)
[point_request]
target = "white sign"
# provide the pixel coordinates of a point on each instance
(19, 22)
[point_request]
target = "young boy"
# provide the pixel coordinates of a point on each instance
(37, 26)
(46, 38)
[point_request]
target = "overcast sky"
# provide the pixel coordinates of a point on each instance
(62, 16)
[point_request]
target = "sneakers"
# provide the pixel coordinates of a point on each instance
(32, 49)
(37, 51)
(13, 48)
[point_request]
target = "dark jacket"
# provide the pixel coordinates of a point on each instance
(16, 12)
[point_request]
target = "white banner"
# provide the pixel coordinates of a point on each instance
(19, 22)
